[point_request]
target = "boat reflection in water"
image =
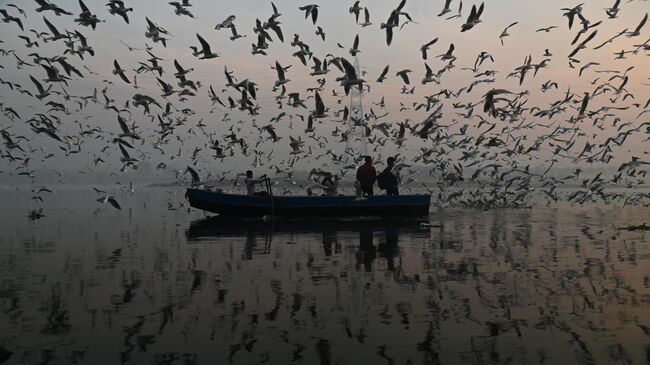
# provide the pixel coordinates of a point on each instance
(375, 237)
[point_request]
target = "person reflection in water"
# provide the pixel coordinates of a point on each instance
(367, 251)
(389, 249)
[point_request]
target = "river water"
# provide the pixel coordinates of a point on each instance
(158, 283)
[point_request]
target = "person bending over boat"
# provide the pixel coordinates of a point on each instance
(366, 176)
(330, 185)
(250, 184)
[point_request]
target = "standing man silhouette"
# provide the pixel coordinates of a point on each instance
(366, 176)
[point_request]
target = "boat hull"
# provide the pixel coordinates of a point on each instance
(309, 206)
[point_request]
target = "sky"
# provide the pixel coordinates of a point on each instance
(340, 28)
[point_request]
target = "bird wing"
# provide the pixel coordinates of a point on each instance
(401, 5)
(178, 67)
(123, 126)
(320, 106)
(84, 8)
(480, 10)
(314, 14)
(389, 35)
(38, 84)
(350, 72)
(472, 14)
(112, 201)
(638, 28)
(124, 152)
(431, 43)
(52, 28)
(204, 45)
(384, 72)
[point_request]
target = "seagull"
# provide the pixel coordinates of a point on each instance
(446, 9)
(355, 46)
(196, 179)
(179, 9)
(42, 93)
(449, 55)
(117, 70)
(460, 12)
(180, 71)
(235, 35)
(382, 76)
(320, 68)
(583, 68)
(504, 33)
(571, 13)
(392, 22)
(296, 145)
(547, 29)
(490, 98)
(166, 88)
(429, 76)
(637, 30)
(473, 18)
(280, 71)
(356, 10)
(53, 75)
(8, 18)
(583, 44)
(583, 106)
(117, 7)
(20, 10)
(28, 41)
(351, 78)
(366, 16)
(320, 107)
(86, 18)
(310, 10)
(425, 48)
(228, 22)
(404, 75)
(612, 12)
(206, 53)
(45, 5)
(111, 200)
(56, 35)
(320, 32)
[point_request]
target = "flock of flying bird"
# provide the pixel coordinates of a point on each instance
(501, 143)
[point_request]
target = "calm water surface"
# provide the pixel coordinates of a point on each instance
(154, 283)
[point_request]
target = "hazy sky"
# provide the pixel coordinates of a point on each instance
(340, 28)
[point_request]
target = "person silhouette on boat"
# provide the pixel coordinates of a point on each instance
(250, 184)
(390, 177)
(366, 176)
(330, 185)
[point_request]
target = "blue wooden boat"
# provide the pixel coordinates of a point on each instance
(227, 205)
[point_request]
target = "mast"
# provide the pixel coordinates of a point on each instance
(357, 138)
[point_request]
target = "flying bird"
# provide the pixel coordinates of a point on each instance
(505, 33)
(206, 53)
(473, 19)
(310, 10)
(117, 70)
(425, 48)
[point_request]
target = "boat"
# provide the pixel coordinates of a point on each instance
(237, 205)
